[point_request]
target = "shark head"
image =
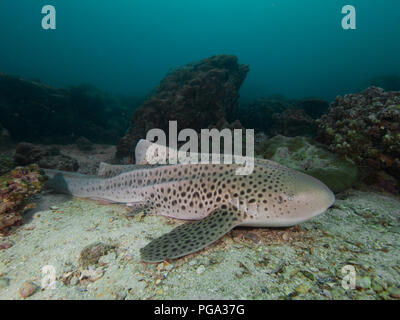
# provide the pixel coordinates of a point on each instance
(309, 198)
(290, 198)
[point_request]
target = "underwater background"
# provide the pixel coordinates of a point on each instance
(322, 100)
(296, 48)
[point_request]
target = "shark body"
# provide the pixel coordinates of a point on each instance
(211, 194)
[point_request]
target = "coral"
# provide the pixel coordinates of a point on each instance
(365, 127)
(16, 187)
(46, 157)
(303, 154)
(197, 96)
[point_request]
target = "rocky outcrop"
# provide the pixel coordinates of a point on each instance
(293, 122)
(314, 107)
(34, 112)
(45, 157)
(258, 114)
(277, 115)
(198, 95)
(365, 127)
(304, 155)
(5, 137)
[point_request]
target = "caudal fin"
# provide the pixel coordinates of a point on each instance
(56, 182)
(71, 183)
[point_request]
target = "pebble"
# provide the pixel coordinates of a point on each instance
(251, 236)
(160, 291)
(308, 274)
(108, 258)
(285, 237)
(192, 262)
(92, 275)
(27, 289)
(201, 269)
(74, 281)
(4, 282)
(365, 282)
(160, 266)
(169, 267)
(394, 292)
(91, 254)
(377, 287)
(303, 288)
(337, 293)
(5, 244)
(54, 208)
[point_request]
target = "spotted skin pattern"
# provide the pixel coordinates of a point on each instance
(272, 195)
(192, 236)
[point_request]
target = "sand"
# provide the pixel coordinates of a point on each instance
(360, 230)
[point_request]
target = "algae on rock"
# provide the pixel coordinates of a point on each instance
(304, 155)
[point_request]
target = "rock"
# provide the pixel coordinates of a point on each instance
(394, 292)
(5, 243)
(4, 282)
(36, 112)
(6, 163)
(91, 254)
(91, 275)
(386, 82)
(377, 287)
(107, 259)
(84, 144)
(281, 116)
(46, 157)
(258, 114)
(60, 162)
(365, 283)
(27, 289)
(27, 153)
(303, 288)
(201, 269)
(314, 108)
(199, 95)
(365, 127)
(5, 137)
(303, 154)
(293, 122)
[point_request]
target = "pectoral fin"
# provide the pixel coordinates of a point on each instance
(192, 236)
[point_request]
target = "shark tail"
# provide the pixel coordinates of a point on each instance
(68, 182)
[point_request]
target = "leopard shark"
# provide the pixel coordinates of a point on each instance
(212, 197)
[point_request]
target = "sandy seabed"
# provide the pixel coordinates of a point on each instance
(362, 229)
